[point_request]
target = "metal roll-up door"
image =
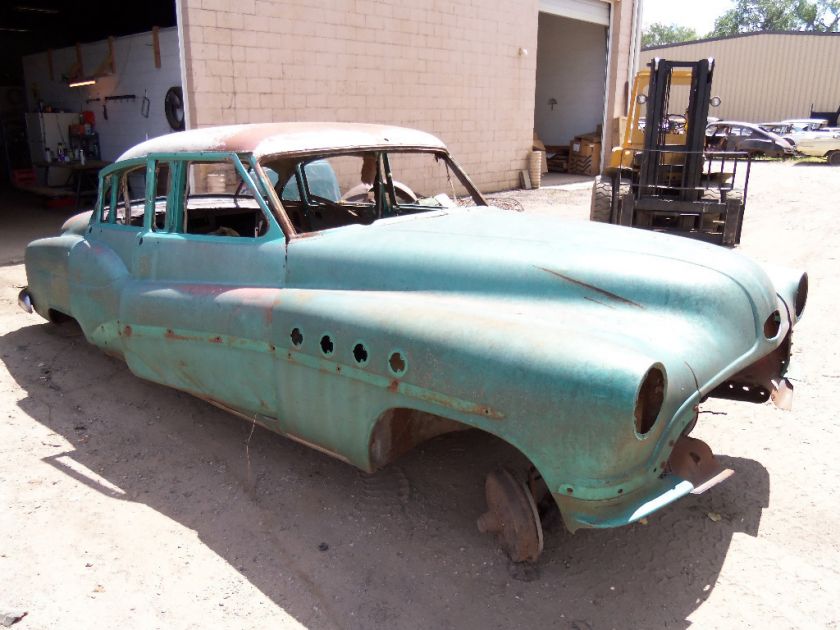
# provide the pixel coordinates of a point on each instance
(595, 11)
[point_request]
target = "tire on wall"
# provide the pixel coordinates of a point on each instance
(173, 107)
(601, 207)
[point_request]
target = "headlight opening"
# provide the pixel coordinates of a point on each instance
(649, 400)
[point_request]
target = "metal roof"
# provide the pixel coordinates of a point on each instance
(722, 38)
(289, 137)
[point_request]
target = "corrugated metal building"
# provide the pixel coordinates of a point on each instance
(769, 76)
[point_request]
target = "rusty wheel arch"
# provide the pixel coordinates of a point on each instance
(54, 316)
(398, 430)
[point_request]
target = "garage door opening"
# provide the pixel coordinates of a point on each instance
(571, 88)
(93, 81)
(78, 87)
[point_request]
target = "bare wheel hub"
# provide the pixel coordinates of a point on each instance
(512, 515)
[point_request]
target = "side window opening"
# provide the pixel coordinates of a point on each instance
(217, 202)
(130, 196)
(163, 185)
(105, 198)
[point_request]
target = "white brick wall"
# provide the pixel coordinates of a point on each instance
(135, 72)
(451, 68)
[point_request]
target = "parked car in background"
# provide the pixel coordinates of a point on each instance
(779, 128)
(823, 145)
(347, 286)
(798, 130)
(799, 125)
(752, 139)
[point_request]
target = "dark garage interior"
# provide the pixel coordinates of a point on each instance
(46, 120)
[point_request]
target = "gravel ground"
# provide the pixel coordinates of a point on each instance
(130, 505)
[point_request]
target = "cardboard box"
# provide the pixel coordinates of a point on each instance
(585, 155)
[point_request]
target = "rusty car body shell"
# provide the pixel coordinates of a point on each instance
(729, 135)
(538, 330)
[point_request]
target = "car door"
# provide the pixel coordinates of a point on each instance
(201, 307)
(757, 142)
(101, 265)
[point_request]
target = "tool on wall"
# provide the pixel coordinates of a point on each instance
(144, 105)
(118, 97)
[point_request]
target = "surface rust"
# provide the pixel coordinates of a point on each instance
(592, 287)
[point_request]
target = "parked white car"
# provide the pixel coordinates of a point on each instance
(799, 125)
(798, 129)
(823, 144)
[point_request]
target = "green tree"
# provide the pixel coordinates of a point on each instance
(822, 15)
(749, 16)
(659, 34)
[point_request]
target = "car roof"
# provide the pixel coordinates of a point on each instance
(734, 123)
(263, 139)
(806, 120)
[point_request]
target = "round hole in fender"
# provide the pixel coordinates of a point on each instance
(360, 353)
(327, 345)
(649, 400)
(297, 337)
(397, 363)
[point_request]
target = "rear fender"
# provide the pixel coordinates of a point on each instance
(96, 278)
(48, 274)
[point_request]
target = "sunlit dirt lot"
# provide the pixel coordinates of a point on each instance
(129, 505)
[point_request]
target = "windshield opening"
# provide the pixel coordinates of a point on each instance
(324, 191)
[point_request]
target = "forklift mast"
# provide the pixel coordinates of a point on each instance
(657, 126)
(663, 177)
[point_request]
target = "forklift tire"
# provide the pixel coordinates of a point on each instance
(736, 194)
(714, 195)
(601, 208)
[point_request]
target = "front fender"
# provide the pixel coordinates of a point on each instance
(562, 395)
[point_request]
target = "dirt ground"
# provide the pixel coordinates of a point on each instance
(129, 505)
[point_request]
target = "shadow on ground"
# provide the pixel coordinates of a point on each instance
(402, 548)
(808, 163)
(25, 217)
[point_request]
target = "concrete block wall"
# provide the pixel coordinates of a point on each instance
(451, 68)
(135, 72)
(624, 42)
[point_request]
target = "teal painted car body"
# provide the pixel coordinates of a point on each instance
(366, 339)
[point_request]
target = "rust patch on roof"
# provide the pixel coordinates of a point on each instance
(289, 137)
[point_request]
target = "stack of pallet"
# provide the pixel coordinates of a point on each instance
(557, 157)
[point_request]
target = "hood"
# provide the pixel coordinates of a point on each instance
(631, 286)
(487, 251)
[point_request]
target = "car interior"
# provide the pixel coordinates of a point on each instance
(318, 192)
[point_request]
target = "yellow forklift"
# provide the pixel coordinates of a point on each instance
(662, 177)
